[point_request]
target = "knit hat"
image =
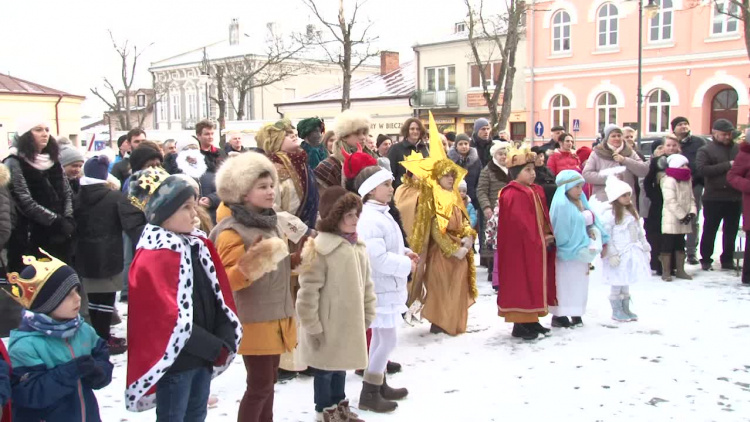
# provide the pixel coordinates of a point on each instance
(478, 124)
(271, 136)
(350, 122)
(143, 184)
(28, 122)
(676, 161)
(462, 185)
(97, 167)
(334, 203)
(121, 140)
(557, 127)
(143, 154)
(583, 153)
(677, 120)
(70, 155)
(354, 163)
(238, 174)
(184, 143)
(382, 138)
(609, 129)
(167, 199)
(43, 284)
(723, 125)
(463, 137)
(615, 188)
(498, 145)
(306, 126)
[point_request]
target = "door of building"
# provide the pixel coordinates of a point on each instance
(724, 106)
(517, 131)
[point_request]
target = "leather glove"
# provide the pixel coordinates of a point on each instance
(467, 242)
(315, 340)
(86, 366)
(461, 253)
(613, 261)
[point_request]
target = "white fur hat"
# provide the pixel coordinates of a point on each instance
(615, 188)
(496, 145)
(184, 143)
(676, 161)
(349, 122)
(238, 174)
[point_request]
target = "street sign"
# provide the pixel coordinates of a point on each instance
(539, 129)
(576, 125)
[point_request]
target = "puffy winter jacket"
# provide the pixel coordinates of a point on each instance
(739, 178)
(47, 383)
(713, 163)
(678, 203)
(491, 180)
(601, 159)
(564, 160)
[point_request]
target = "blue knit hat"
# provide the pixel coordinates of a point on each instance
(97, 167)
(480, 123)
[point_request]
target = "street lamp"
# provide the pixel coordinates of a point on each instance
(651, 10)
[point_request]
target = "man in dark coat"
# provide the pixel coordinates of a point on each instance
(553, 144)
(204, 131)
(721, 202)
(481, 140)
(121, 170)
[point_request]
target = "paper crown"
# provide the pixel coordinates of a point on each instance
(25, 291)
(145, 183)
(519, 156)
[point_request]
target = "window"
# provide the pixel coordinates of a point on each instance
(560, 111)
(175, 100)
(191, 104)
(606, 110)
(202, 103)
(121, 101)
(661, 24)
(162, 114)
(441, 78)
(723, 23)
(460, 27)
(561, 32)
(658, 111)
(141, 100)
(476, 80)
(607, 24)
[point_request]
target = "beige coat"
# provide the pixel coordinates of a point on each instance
(678, 202)
(336, 298)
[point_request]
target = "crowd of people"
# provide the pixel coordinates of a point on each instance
(306, 253)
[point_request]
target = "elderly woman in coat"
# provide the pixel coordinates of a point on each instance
(613, 152)
(494, 176)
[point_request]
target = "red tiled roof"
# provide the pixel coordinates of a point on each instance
(13, 85)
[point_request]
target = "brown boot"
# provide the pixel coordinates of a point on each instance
(346, 412)
(680, 264)
(371, 398)
(390, 393)
(332, 414)
(666, 266)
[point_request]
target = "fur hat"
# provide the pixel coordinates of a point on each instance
(185, 143)
(4, 175)
(306, 126)
(354, 163)
(70, 155)
(238, 174)
(271, 136)
(498, 145)
(143, 154)
(97, 167)
(349, 122)
(676, 161)
(334, 203)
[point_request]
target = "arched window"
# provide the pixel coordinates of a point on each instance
(174, 102)
(190, 106)
(561, 32)
(560, 106)
(607, 24)
(658, 111)
(661, 24)
(606, 110)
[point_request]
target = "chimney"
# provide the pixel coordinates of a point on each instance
(234, 32)
(388, 62)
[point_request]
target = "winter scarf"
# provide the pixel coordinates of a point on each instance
(350, 237)
(41, 162)
(264, 220)
(681, 174)
(605, 151)
(304, 183)
(31, 321)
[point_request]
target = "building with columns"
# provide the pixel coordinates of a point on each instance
(183, 89)
(583, 65)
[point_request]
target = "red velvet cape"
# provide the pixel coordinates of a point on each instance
(526, 268)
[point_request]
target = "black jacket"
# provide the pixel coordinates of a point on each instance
(228, 148)
(546, 180)
(473, 165)
(483, 149)
(397, 154)
(713, 163)
(653, 193)
(689, 148)
(121, 170)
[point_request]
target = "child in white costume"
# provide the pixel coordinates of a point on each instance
(627, 255)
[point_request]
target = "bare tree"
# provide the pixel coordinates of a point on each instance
(129, 56)
(346, 48)
(740, 10)
(492, 38)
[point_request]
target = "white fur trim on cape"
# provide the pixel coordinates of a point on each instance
(156, 238)
(193, 170)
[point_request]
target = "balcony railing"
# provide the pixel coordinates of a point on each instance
(435, 99)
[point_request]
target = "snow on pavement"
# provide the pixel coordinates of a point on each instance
(687, 359)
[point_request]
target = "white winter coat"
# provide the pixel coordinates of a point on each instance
(627, 241)
(385, 247)
(678, 203)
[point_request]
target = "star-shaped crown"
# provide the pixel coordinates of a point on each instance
(25, 291)
(519, 156)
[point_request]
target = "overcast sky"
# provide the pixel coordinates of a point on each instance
(65, 44)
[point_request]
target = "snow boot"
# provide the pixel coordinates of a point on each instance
(392, 367)
(345, 412)
(523, 331)
(626, 308)
(618, 313)
(539, 328)
(329, 414)
(680, 264)
(390, 393)
(576, 321)
(561, 322)
(666, 262)
(371, 399)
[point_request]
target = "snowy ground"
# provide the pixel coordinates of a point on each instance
(687, 359)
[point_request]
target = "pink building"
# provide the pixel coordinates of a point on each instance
(583, 65)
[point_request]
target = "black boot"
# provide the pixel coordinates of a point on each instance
(539, 328)
(390, 393)
(522, 331)
(392, 367)
(576, 321)
(561, 322)
(284, 375)
(434, 329)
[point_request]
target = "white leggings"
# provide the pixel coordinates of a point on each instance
(618, 292)
(383, 342)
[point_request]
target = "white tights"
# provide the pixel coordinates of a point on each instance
(618, 292)
(383, 342)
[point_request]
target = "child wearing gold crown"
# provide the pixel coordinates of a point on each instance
(446, 280)
(182, 327)
(58, 359)
(525, 252)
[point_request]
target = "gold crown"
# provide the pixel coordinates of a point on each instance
(413, 156)
(145, 185)
(519, 156)
(25, 291)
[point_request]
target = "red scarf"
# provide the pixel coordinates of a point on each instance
(682, 175)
